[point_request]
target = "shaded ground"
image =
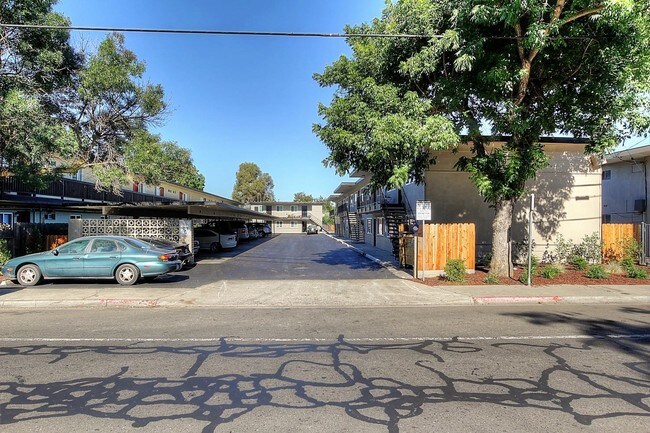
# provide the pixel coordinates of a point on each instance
(571, 276)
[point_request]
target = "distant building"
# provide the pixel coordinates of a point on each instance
(625, 186)
(291, 217)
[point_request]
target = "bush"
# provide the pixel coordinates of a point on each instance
(524, 275)
(455, 270)
(597, 272)
(491, 279)
(637, 272)
(579, 262)
(5, 254)
(614, 268)
(550, 271)
(632, 270)
(589, 249)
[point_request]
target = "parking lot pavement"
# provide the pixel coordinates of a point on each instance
(281, 257)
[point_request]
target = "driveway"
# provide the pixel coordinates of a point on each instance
(281, 257)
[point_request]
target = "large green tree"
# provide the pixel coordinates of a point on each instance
(252, 185)
(37, 69)
(153, 160)
(518, 69)
(111, 106)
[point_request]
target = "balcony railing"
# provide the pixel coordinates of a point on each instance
(76, 190)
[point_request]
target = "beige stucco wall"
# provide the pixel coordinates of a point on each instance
(567, 195)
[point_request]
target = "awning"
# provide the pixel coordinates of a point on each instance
(178, 210)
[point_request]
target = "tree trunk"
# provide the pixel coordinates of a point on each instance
(500, 240)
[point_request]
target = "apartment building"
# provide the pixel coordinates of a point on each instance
(291, 217)
(568, 201)
(52, 204)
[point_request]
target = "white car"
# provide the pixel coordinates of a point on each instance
(213, 241)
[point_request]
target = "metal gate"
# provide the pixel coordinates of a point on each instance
(645, 243)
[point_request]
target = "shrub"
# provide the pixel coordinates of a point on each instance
(455, 270)
(596, 272)
(614, 268)
(491, 279)
(523, 278)
(579, 262)
(550, 271)
(637, 272)
(590, 249)
(5, 254)
(632, 270)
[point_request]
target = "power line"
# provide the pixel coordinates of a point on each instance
(218, 32)
(250, 33)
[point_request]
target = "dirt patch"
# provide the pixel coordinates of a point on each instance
(570, 276)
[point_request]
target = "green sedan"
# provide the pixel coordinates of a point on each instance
(111, 257)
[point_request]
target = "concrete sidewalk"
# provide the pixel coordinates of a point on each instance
(394, 292)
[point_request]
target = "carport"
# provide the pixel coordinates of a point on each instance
(173, 221)
(201, 210)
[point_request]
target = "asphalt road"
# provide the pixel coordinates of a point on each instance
(281, 257)
(452, 369)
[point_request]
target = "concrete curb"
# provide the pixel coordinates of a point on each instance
(388, 265)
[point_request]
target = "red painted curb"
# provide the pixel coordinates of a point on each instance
(516, 299)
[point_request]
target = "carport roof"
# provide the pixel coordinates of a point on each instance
(184, 210)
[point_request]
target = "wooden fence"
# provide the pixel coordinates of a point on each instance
(615, 237)
(442, 242)
(25, 238)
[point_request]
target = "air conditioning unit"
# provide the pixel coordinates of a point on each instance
(639, 205)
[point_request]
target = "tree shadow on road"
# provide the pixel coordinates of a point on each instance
(347, 376)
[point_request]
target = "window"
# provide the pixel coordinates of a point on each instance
(607, 218)
(182, 196)
(607, 174)
(75, 217)
(278, 224)
(278, 208)
(380, 226)
(74, 247)
(103, 246)
(7, 218)
(293, 224)
(294, 208)
(369, 226)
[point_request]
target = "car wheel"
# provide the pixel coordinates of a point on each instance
(215, 246)
(127, 275)
(29, 275)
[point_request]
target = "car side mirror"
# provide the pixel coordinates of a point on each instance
(55, 252)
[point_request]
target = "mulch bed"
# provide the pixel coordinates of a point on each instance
(571, 276)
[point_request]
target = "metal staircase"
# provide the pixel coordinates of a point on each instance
(356, 232)
(394, 215)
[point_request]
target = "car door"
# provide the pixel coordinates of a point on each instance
(102, 257)
(67, 260)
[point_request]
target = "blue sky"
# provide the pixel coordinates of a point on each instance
(237, 99)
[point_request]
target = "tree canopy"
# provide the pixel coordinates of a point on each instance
(251, 185)
(57, 103)
(303, 197)
(37, 68)
(520, 70)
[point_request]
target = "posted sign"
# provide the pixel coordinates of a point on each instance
(423, 210)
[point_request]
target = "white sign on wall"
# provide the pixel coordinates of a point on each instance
(423, 210)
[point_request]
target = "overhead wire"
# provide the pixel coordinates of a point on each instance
(250, 33)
